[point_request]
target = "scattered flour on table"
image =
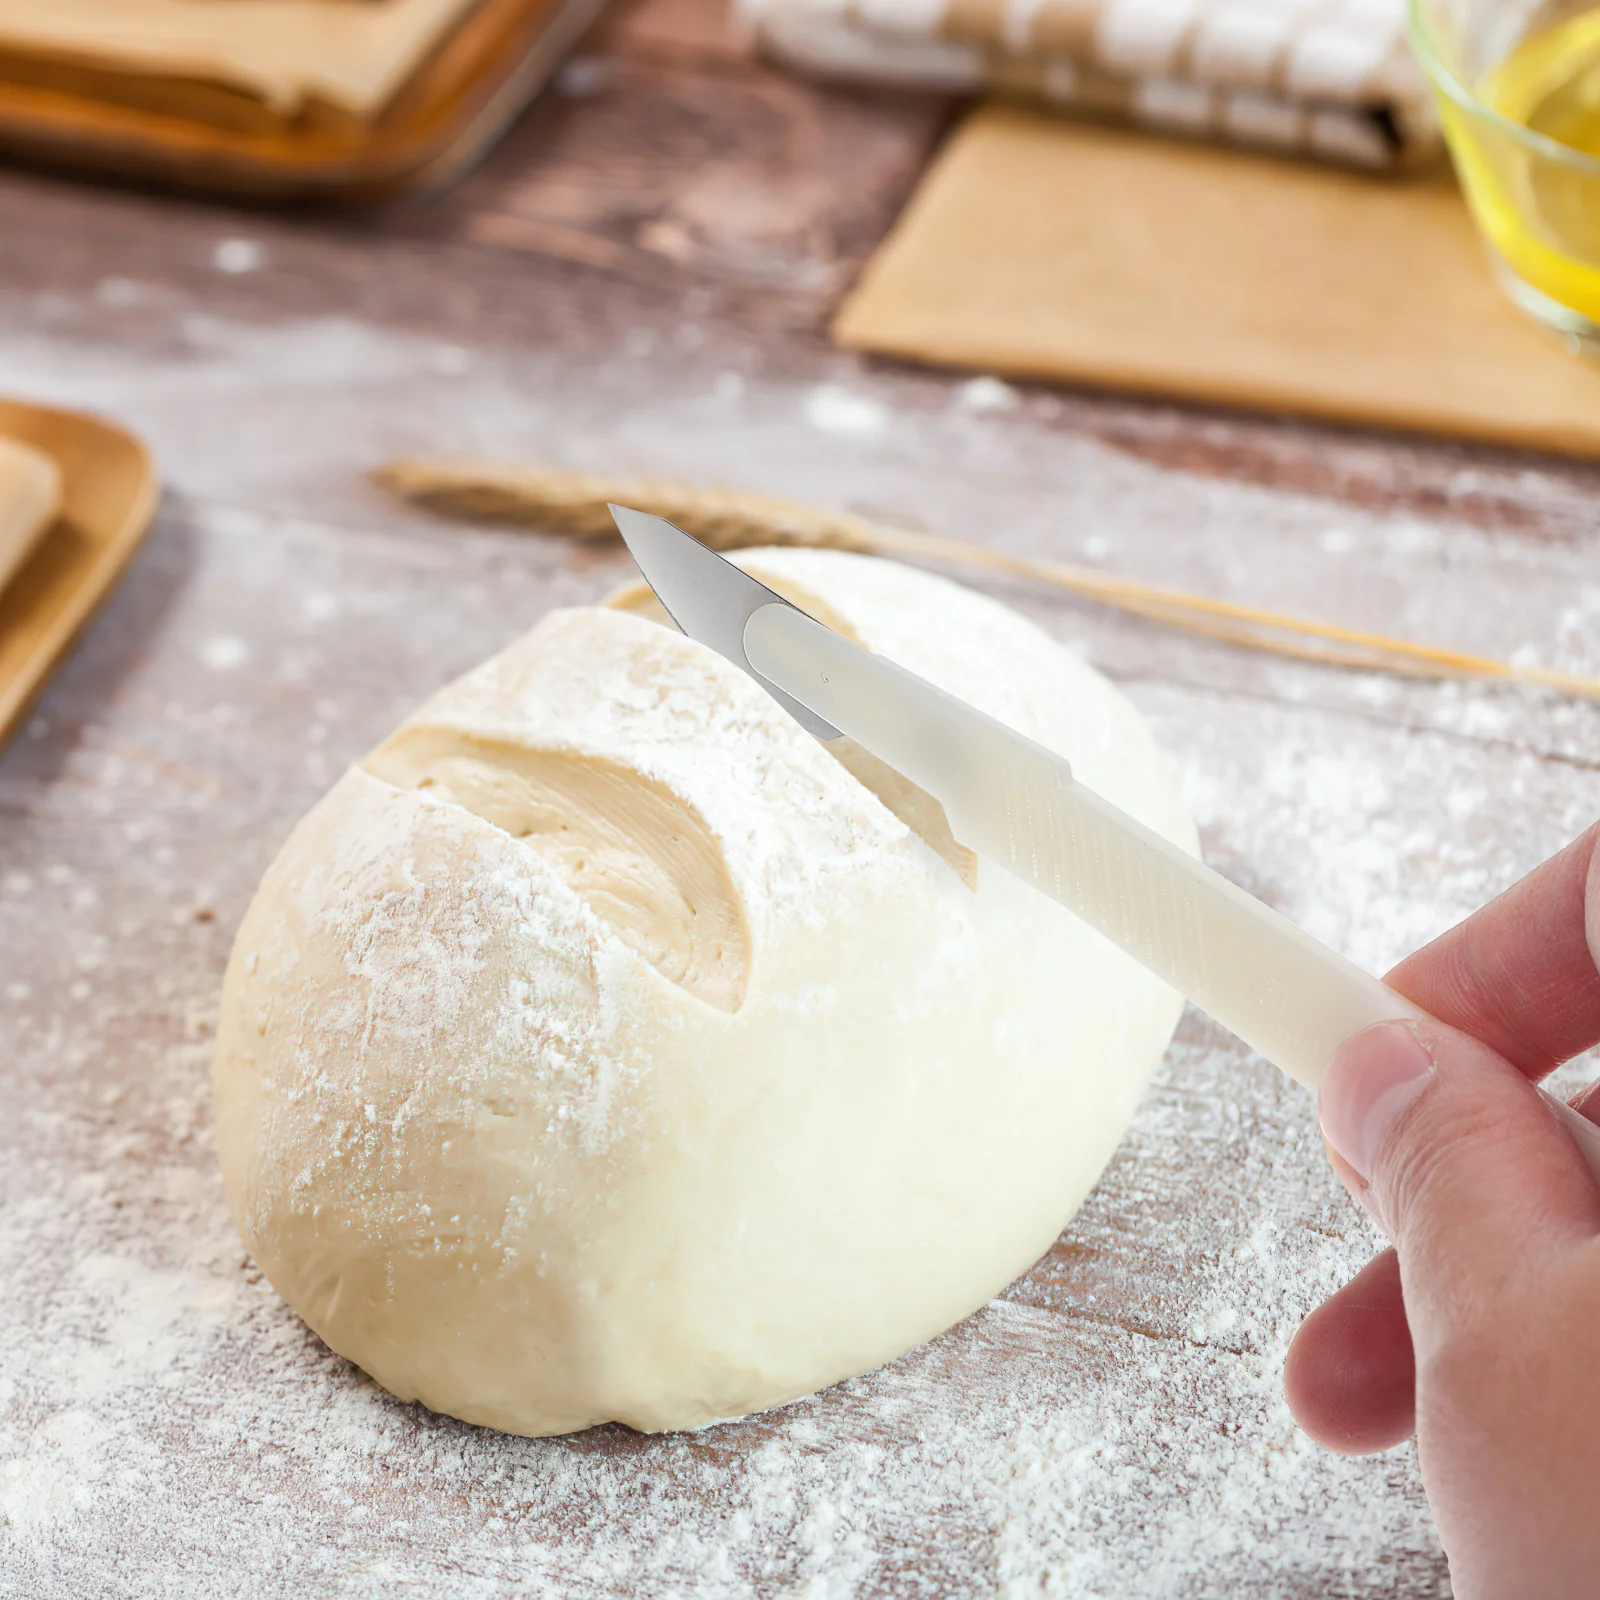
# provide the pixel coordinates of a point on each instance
(177, 1413)
(1112, 1427)
(1116, 1436)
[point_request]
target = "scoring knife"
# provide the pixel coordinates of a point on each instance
(1018, 805)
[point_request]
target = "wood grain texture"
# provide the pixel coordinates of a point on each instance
(1109, 1427)
(674, 172)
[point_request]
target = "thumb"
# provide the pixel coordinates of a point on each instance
(1459, 1159)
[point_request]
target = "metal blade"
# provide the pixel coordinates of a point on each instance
(708, 597)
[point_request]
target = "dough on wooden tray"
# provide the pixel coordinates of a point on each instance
(355, 56)
(602, 1048)
(30, 500)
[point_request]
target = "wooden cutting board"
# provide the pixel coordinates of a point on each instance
(109, 491)
(1047, 249)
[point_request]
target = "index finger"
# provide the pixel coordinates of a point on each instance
(1519, 975)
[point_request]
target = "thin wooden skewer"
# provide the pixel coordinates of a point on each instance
(728, 519)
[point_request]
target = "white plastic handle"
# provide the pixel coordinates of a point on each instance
(1356, 994)
(1284, 993)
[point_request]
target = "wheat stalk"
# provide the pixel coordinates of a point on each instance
(728, 519)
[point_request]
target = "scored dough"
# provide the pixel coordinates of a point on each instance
(30, 500)
(603, 1048)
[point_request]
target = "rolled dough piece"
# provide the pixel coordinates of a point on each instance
(603, 1048)
(30, 500)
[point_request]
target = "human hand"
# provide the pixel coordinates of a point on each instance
(1480, 1330)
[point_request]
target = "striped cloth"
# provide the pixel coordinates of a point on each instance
(1327, 78)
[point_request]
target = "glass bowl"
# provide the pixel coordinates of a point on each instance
(1536, 198)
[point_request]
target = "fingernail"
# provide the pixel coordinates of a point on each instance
(1370, 1081)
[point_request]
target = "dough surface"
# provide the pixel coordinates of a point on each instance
(30, 500)
(603, 1048)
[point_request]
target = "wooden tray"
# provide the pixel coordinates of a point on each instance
(109, 494)
(455, 106)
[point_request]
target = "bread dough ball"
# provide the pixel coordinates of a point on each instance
(605, 1047)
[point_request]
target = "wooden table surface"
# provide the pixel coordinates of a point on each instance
(638, 281)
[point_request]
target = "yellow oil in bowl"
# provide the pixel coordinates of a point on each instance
(1539, 205)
